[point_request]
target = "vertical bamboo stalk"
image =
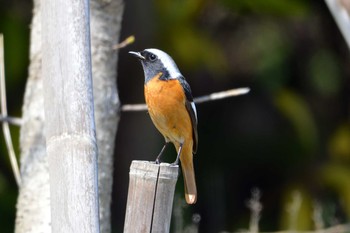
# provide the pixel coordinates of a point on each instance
(69, 113)
(341, 16)
(150, 197)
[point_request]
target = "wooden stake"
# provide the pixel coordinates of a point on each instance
(150, 197)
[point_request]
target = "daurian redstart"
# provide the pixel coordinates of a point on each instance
(172, 110)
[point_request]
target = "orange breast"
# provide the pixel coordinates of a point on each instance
(166, 106)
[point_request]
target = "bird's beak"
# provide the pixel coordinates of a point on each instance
(137, 54)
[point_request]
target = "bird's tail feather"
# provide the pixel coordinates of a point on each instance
(188, 174)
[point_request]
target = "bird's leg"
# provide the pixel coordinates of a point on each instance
(161, 153)
(178, 156)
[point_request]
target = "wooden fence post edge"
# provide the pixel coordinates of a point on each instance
(150, 197)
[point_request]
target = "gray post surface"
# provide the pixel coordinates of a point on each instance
(69, 114)
(150, 197)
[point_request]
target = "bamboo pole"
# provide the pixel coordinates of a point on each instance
(69, 113)
(341, 14)
(150, 197)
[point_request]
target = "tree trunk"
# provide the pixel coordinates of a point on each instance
(106, 18)
(33, 204)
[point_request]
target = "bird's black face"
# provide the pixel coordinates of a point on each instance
(154, 62)
(152, 66)
(149, 56)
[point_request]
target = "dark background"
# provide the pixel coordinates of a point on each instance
(290, 134)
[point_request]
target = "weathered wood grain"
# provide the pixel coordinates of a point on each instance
(150, 197)
(69, 112)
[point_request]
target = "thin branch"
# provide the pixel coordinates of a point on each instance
(11, 120)
(293, 210)
(222, 95)
(5, 125)
(134, 107)
(255, 209)
(197, 100)
(143, 107)
(317, 217)
(129, 40)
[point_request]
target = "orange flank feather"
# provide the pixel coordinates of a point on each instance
(166, 103)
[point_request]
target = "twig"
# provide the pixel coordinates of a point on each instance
(5, 125)
(178, 213)
(222, 95)
(293, 210)
(193, 227)
(134, 107)
(11, 120)
(317, 217)
(255, 209)
(124, 43)
(198, 100)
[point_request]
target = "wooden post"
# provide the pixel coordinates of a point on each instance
(69, 116)
(150, 197)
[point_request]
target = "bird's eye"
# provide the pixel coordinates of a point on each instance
(152, 57)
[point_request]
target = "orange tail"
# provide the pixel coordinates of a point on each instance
(188, 174)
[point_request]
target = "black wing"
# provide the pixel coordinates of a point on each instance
(191, 108)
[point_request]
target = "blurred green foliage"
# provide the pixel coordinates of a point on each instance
(339, 146)
(325, 74)
(290, 135)
(180, 35)
(294, 108)
(337, 176)
(269, 7)
(271, 51)
(298, 207)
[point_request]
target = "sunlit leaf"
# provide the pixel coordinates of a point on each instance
(339, 144)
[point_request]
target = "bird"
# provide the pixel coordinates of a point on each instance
(172, 110)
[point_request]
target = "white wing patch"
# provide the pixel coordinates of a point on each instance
(168, 62)
(194, 110)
